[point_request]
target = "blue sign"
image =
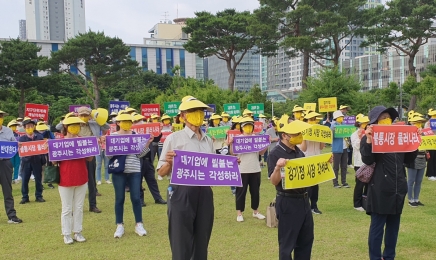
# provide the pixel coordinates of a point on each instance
(208, 114)
(115, 106)
(8, 149)
(433, 124)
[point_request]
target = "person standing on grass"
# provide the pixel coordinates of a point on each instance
(45, 132)
(415, 170)
(295, 226)
(72, 186)
(31, 164)
(190, 208)
(311, 148)
(16, 160)
(131, 176)
(340, 153)
(361, 188)
(387, 188)
(6, 134)
(250, 174)
(431, 163)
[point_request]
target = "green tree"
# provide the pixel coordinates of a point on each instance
(224, 35)
(98, 58)
(19, 62)
(403, 25)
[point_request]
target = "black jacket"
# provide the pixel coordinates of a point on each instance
(388, 186)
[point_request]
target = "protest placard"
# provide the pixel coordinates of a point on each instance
(125, 144)
(309, 106)
(327, 104)
(72, 148)
(395, 138)
(218, 132)
(349, 120)
(148, 128)
(36, 111)
(427, 143)
(343, 131)
(233, 109)
(32, 148)
(75, 108)
(172, 108)
(208, 114)
(307, 171)
(177, 127)
(8, 149)
(116, 106)
(256, 108)
(250, 143)
(258, 127)
(150, 109)
(202, 169)
(318, 133)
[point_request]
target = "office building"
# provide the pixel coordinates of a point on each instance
(56, 20)
(22, 29)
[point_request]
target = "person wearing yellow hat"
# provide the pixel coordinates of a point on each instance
(431, 162)
(218, 143)
(190, 208)
(415, 169)
(225, 119)
(295, 226)
(344, 109)
(361, 188)
(13, 124)
(131, 176)
(72, 186)
(166, 128)
(250, 175)
(312, 148)
(111, 117)
(247, 113)
(31, 164)
(155, 118)
(298, 111)
(340, 152)
(43, 130)
(6, 134)
(130, 110)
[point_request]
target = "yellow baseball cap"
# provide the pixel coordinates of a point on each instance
(72, 120)
(124, 117)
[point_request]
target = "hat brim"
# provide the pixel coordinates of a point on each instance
(392, 113)
(194, 104)
(295, 127)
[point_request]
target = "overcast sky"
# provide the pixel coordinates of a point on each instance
(130, 20)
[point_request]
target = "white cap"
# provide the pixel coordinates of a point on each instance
(337, 114)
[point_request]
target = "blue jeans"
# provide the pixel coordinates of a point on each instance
(414, 180)
(375, 238)
(102, 158)
(133, 180)
(36, 170)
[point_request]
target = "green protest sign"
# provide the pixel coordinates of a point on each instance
(171, 108)
(342, 131)
(233, 109)
(218, 132)
(257, 108)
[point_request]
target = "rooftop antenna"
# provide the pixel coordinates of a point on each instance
(165, 15)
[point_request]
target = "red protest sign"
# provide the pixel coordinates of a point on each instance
(148, 109)
(164, 136)
(112, 129)
(149, 128)
(58, 135)
(258, 127)
(231, 134)
(36, 111)
(395, 139)
(427, 131)
(32, 148)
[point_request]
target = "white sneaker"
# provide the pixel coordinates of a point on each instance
(99, 183)
(119, 232)
(258, 215)
(68, 240)
(79, 238)
(159, 178)
(432, 178)
(108, 182)
(359, 209)
(351, 166)
(240, 218)
(139, 229)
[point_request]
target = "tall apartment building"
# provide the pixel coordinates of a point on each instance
(56, 20)
(22, 29)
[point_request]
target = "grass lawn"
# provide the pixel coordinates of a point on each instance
(340, 232)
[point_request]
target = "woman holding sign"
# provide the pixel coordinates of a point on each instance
(250, 174)
(431, 163)
(72, 186)
(387, 188)
(130, 176)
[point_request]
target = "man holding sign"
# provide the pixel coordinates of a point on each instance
(295, 228)
(7, 135)
(388, 186)
(190, 208)
(339, 150)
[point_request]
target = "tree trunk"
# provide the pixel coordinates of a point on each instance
(96, 93)
(232, 75)
(337, 53)
(412, 72)
(21, 105)
(306, 59)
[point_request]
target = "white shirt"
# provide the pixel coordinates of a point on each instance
(355, 142)
(312, 148)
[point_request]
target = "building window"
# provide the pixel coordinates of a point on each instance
(144, 59)
(133, 53)
(169, 61)
(158, 61)
(182, 63)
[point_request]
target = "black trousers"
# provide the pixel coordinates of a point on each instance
(295, 229)
(6, 183)
(147, 172)
(153, 151)
(314, 195)
(340, 162)
(252, 180)
(360, 189)
(92, 186)
(431, 164)
(190, 221)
